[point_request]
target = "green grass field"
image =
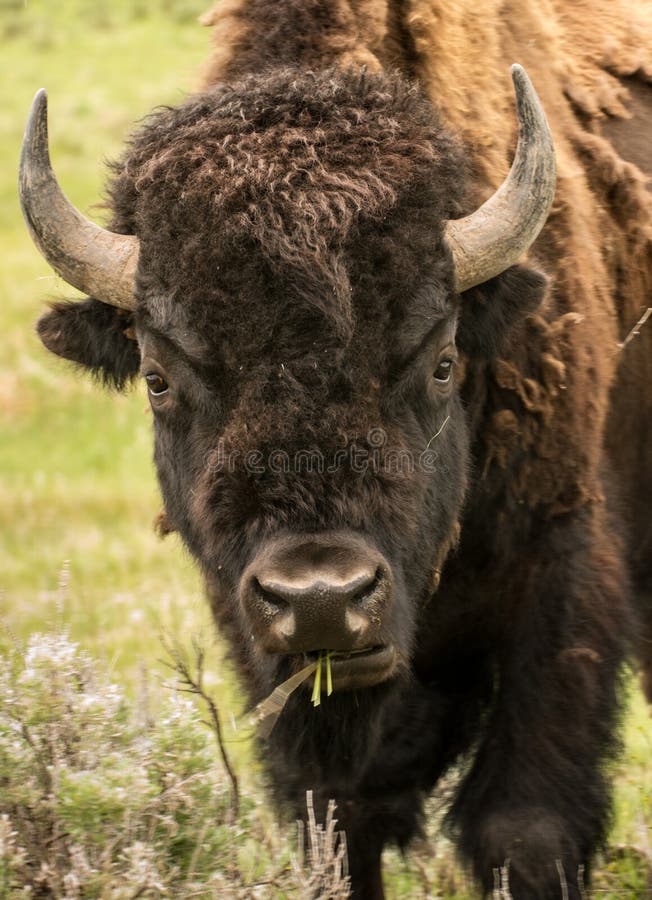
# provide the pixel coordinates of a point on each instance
(77, 481)
(77, 490)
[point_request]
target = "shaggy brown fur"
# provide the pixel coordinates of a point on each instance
(295, 290)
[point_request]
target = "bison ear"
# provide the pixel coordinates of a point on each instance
(94, 335)
(490, 311)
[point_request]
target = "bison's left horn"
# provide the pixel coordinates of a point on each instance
(493, 238)
(98, 262)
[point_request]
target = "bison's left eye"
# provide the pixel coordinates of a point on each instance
(156, 384)
(443, 372)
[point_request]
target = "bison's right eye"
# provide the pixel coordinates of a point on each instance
(444, 370)
(156, 384)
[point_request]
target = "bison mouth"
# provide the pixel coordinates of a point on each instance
(354, 669)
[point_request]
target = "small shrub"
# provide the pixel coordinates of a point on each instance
(95, 803)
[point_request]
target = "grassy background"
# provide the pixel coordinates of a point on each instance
(76, 480)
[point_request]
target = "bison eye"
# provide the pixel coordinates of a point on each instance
(443, 372)
(156, 384)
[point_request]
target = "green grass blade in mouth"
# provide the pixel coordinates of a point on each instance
(316, 690)
(329, 675)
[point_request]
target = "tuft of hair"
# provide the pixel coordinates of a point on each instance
(95, 336)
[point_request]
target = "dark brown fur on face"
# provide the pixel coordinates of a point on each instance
(330, 247)
(295, 289)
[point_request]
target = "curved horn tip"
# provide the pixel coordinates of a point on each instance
(41, 96)
(522, 82)
(526, 95)
(529, 103)
(39, 110)
(35, 140)
(97, 262)
(492, 238)
(518, 73)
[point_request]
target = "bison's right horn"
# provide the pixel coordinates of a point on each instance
(98, 262)
(493, 238)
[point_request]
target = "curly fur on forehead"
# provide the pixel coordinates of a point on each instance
(293, 164)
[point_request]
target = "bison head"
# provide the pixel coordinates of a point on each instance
(284, 269)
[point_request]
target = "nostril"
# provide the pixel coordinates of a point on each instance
(274, 593)
(366, 591)
(268, 600)
(273, 611)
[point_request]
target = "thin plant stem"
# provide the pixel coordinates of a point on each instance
(316, 690)
(329, 676)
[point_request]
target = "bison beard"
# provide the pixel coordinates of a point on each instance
(296, 290)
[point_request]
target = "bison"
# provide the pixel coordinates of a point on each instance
(394, 419)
